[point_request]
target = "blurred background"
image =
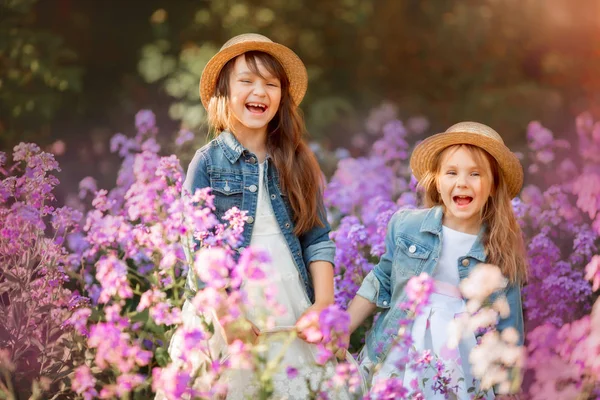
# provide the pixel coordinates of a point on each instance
(74, 72)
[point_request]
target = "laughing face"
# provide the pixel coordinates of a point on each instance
(253, 98)
(465, 185)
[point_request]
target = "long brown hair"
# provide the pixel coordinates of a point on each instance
(503, 239)
(299, 172)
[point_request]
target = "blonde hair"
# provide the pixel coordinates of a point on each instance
(299, 172)
(503, 239)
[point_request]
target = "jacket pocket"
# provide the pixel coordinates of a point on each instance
(228, 191)
(410, 256)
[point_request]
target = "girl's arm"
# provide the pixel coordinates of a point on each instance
(359, 309)
(322, 279)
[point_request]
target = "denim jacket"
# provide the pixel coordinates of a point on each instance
(413, 246)
(231, 171)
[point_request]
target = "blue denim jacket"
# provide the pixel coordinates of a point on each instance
(231, 171)
(385, 284)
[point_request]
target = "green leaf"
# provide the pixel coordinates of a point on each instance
(162, 356)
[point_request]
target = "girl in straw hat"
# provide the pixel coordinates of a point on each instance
(260, 162)
(469, 178)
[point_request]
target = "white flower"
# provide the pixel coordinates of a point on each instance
(501, 305)
(484, 318)
(510, 335)
(482, 282)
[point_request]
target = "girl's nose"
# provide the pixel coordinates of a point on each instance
(259, 90)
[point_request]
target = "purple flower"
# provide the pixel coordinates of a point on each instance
(391, 388)
(171, 381)
(145, 121)
(291, 372)
(84, 383)
(418, 290)
(111, 272)
(183, 137)
(87, 185)
(79, 320)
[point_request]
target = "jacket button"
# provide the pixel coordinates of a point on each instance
(273, 197)
(412, 248)
(385, 303)
(250, 219)
(287, 225)
(240, 249)
(253, 188)
(252, 160)
(465, 262)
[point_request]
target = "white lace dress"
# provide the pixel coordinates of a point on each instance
(430, 329)
(283, 276)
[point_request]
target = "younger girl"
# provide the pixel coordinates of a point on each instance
(259, 162)
(469, 178)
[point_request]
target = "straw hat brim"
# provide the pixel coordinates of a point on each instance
(424, 154)
(292, 64)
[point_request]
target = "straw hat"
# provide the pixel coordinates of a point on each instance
(293, 66)
(476, 134)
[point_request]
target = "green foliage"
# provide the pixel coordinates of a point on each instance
(36, 71)
(500, 62)
(177, 63)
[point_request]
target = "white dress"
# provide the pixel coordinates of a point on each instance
(282, 275)
(430, 329)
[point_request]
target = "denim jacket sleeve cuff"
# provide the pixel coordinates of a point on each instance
(371, 290)
(321, 251)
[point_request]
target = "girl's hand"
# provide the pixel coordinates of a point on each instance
(308, 324)
(243, 330)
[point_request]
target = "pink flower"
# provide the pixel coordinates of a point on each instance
(84, 383)
(150, 297)
(240, 356)
(145, 121)
(112, 275)
(309, 325)
(87, 185)
(418, 290)
(212, 265)
(171, 381)
(79, 320)
(128, 382)
(183, 136)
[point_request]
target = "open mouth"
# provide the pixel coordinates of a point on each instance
(256, 108)
(462, 201)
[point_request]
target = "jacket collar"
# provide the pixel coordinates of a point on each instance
(230, 146)
(432, 223)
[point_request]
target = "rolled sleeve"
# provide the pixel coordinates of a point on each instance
(377, 285)
(316, 244)
(321, 251)
(370, 289)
